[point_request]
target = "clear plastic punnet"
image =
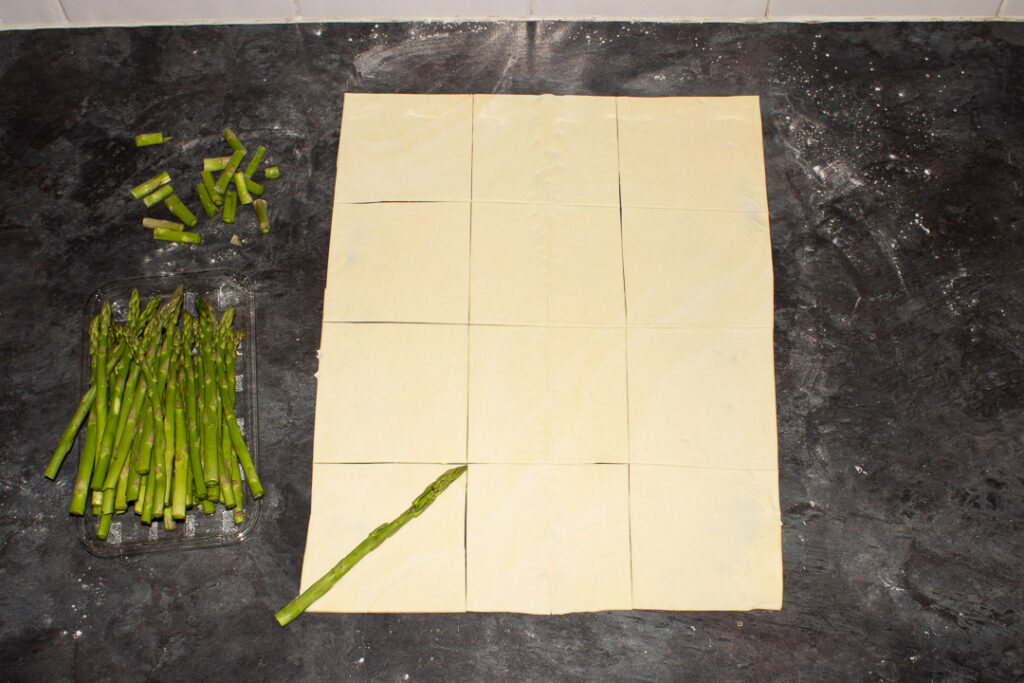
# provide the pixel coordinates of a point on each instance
(128, 535)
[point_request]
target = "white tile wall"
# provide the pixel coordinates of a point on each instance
(883, 8)
(31, 12)
(753, 9)
(1013, 8)
(20, 13)
(382, 9)
(173, 11)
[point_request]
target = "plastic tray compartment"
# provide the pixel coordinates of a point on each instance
(128, 535)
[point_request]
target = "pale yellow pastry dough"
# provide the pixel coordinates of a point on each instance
(547, 539)
(405, 148)
(391, 393)
(613, 390)
(544, 149)
(546, 265)
(697, 268)
(705, 539)
(419, 569)
(506, 539)
(702, 398)
(399, 261)
(692, 153)
(547, 394)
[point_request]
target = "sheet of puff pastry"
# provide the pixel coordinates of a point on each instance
(547, 394)
(692, 153)
(404, 148)
(546, 265)
(545, 149)
(547, 539)
(700, 421)
(705, 539)
(702, 398)
(398, 261)
(391, 393)
(688, 268)
(419, 569)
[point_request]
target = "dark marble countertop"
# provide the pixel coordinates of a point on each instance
(895, 168)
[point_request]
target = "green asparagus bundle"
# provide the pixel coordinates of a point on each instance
(161, 429)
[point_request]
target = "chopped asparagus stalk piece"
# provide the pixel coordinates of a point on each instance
(140, 191)
(160, 223)
(175, 206)
(271, 172)
(261, 213)
(243, 192)
(216, 163)
(255, 189)
(147, 139)
(230, 205)
(229, 170)
(235, 241)
(179, 236)
(385, 531)
(233, 141)
(204, 198)
(217, 197)
(158, 195)
(254, 163)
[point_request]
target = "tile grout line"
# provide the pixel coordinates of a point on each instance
(469, 306)
(625, 336)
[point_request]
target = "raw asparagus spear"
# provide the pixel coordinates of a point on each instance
(81, 491)
(101, 369)
(191, 412)
(68, 437)
(117, 386)
(210, 415)
(376, 537)
(227, 345)
(180, 479)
